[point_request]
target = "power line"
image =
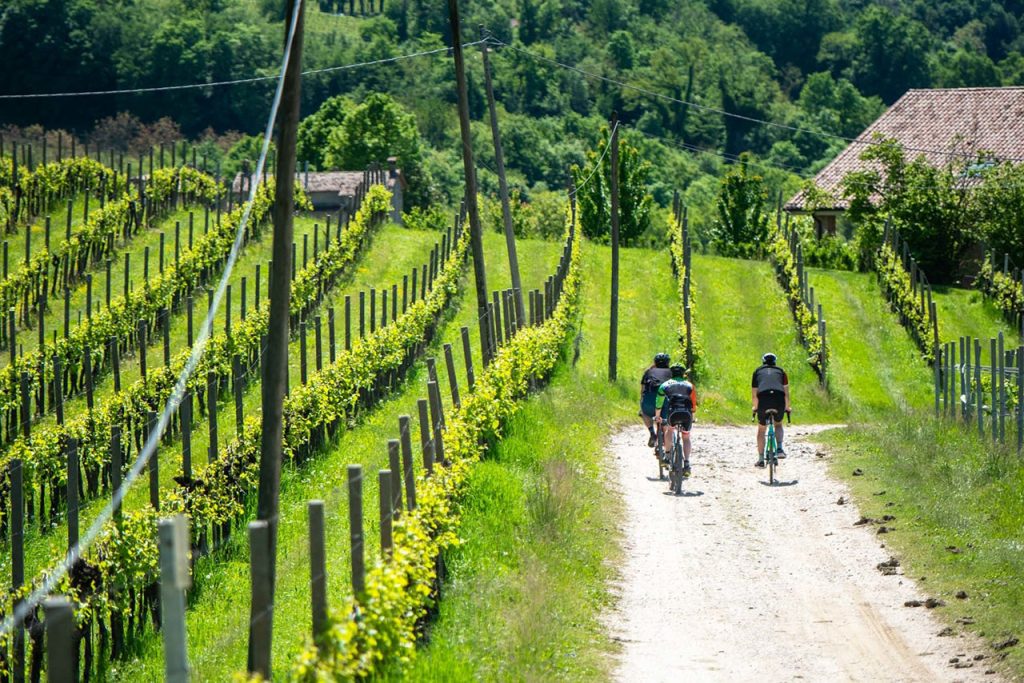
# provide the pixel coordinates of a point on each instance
(237, 81)
(597, 164)
(702, 107)
(53, 579)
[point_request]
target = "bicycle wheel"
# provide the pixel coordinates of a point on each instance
(771, 469)
(677, 465)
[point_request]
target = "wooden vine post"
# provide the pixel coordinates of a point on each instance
(499, 160)
(475, 233)
(276, 362)
(613, 333)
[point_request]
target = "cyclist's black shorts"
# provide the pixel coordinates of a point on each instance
(770, 400)
(681, 418)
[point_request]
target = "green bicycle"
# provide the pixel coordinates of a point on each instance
(771, 446)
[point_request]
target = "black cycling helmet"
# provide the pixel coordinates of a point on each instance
(768, 359)
(661, 360)
(678, 371)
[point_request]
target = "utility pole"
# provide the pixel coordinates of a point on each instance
(275, 366)
(613, 338)
(475, 234)
(506, 211)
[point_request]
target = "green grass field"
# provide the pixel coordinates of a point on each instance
(875, 367)
(966, 312)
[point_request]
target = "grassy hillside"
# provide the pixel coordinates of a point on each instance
(875, 366)
(966, 312)
(393, 252)
(742, 314)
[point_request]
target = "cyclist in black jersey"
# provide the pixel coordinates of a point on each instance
(676, 404)
(769, 390)
(654, 377)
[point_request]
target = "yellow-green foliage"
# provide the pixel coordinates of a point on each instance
(806, 322)
(380, 625)
(1007, 293)
(895, 281)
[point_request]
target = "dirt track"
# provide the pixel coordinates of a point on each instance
(739, 581)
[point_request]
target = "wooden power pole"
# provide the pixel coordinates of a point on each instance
(613, 337)
(475, 234)
(275, 366)
(506, 211)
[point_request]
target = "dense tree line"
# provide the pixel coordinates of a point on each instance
(819, 68)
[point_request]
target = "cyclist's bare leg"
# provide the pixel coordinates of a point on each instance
(667, 431)
(778, 435)
(761, 429)
(686, 446)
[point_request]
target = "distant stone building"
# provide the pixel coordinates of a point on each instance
(929, 122)
(336, 190)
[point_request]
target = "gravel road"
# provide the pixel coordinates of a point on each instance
(740, 581)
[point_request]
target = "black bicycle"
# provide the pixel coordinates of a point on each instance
(676, 460)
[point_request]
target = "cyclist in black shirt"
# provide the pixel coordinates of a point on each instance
(769, 390)
(654, 377)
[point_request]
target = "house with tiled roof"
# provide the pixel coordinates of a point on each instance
(940, 124)
(336, 190)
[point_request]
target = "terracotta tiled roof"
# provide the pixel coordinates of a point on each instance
(343, 183)
(935, 123)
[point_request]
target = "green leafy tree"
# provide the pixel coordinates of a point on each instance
(315, 129)
(378, 128)
(928, 204)
(1000, 209)
(965, 68)
(741, 224)
(891, 55)
(594, 193)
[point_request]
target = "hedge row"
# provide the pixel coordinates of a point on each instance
(120, 321)
(48, 270)
(1006, 292)
(679, 251)
(43, 453)
(378, 627)
(899, 291)
(806, 322)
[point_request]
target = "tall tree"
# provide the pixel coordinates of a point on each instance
(891, 55)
